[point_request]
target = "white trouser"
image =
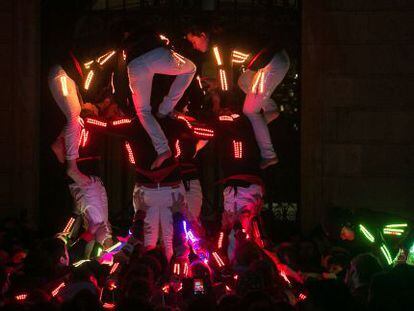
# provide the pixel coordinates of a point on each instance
(240, 204)
(158, 204)
(194, 198)
(258, 87)
(91, 202)
(65, 94)
(141, 71)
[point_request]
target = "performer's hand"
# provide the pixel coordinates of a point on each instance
(209, 83)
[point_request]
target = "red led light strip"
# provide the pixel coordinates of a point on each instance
(57, 289)
(220, 240)
(203, 132)
(114, 268)
(238, 149)
(130, 153)
(218, 259)
(69, 225)
(223, 80)
(96, 122)
(21, 297)
(121, 121)
(177, 149)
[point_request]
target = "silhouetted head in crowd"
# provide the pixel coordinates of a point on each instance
(247, 253)
(338, 224)
(229, 303)
(361, 270)
(47, 259)
(84, 300)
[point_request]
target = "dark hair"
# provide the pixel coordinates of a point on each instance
(203, 26)
(335, 219)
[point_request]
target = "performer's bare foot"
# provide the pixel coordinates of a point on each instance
(265, 163)
(160, 159)
(58, 148)
(77, 176)
(160, 115)
(271, 116)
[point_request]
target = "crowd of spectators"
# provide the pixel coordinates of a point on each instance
(38, 274)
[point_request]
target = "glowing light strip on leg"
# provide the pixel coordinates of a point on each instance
(88, 80)
(69, 225)
(256, 82)
(261, 84)
(179, 58)
(64, 85)
(223, 80)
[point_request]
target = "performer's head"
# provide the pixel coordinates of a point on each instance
(200, 34)
(199, 38)
(338, 223)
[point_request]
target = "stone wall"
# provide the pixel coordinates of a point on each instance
(19, 107)
(357, 112)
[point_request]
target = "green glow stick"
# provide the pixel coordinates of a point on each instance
(396, 226)
(393, 230)
(386, 254)
(108, 250)
(80, 262)
(366, 233)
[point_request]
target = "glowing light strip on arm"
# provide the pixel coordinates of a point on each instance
(239, 57)
(164, 38)
(386, 254)
(88, 64)
(104, 58)
(366, 233)
(88, 80)
(217, 55)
